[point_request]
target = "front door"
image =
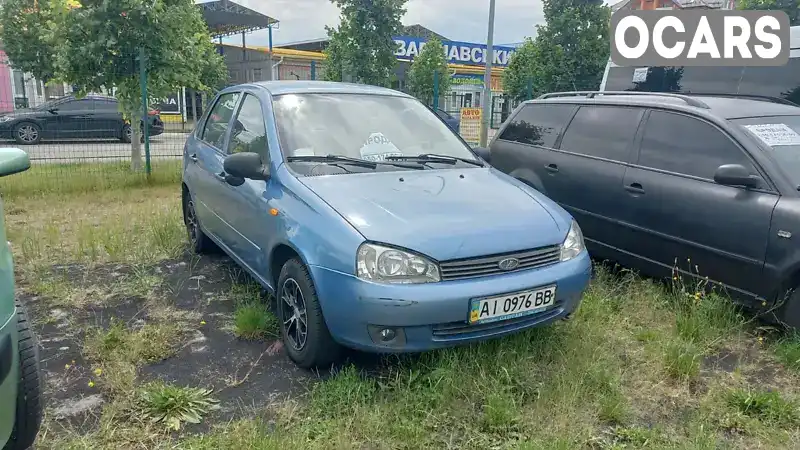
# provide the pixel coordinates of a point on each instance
(686, 220)
(73, 119)
(205, 172)
(247, 207)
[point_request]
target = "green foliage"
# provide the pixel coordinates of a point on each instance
(570, 52)
(421, 78)
(791, 7)
(173, 405)
(29, 31)
(362, 45)
(101, 42)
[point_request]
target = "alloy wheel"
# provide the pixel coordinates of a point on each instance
(28, 133)
(293, 310)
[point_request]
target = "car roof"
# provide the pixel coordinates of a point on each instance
(726, 107)
(318, 87)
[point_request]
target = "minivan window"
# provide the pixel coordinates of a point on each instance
(538, 124)
(782, 135)
(687, 145)
(602, 131)
(363, 126)
(218, 118)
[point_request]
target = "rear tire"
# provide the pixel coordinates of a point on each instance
(29, 393)
(127, 134)
(198, 241)
(789, 313)
(317, 348)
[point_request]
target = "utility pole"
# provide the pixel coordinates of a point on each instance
(487, 79)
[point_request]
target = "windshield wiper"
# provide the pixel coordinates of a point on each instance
(432, 157)
(348, 160)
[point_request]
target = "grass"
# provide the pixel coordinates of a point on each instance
(634, 368)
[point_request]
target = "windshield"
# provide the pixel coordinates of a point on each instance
(363, 126)
(782, 135)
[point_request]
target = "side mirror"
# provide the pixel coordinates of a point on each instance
(244, 165)
(53, 110)
(13, 160)
(735, 175)
(483, 152)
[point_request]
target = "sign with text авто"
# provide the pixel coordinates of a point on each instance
(470, 126)
(456, 52)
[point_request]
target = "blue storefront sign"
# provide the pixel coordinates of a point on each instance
(457, 52)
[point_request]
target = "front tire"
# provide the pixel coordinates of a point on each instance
(198, 241)
(29, 393)
(305, 335)
(27, 133)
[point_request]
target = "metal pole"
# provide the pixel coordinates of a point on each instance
(145, 116)
(313, 70)
(487, 78)
(436, 89)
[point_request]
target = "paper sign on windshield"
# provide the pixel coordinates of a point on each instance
(640, 74)
(774, 134)
(378, 147)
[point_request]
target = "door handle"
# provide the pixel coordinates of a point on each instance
(552, 168)
(221, 175)
(193, 157)
(635, 188)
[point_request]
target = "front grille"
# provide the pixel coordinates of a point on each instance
(457, 269)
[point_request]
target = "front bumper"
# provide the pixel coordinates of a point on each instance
(9, 376)
(435, 315)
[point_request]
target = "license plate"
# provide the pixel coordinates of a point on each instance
(512, 305)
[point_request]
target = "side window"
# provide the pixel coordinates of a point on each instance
(218, 118)
(687, 145)
(105, 105)
(76, 105)
(538, 124)
(602, 131)
(249, 133)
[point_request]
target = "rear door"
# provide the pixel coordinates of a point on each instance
(107, 117)
(586, 173)
(204, 167)
(683, 218)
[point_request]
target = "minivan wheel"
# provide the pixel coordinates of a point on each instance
(27, 133)
(198, 241)
(29, 392)
(305, 335)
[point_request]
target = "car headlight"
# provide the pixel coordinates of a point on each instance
(573, 244)
(390, 265)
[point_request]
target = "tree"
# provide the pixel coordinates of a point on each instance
(518, 76)
(569, 52)
(29, 32)
(95, 45)
(362, 45)
(791, 7)
(427, 70)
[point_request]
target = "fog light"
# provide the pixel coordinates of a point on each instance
(388, 336)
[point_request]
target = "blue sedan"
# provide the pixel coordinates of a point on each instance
(375, 226)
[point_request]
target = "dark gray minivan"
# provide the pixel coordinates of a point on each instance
(707, 184)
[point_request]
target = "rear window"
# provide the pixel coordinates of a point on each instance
(782, 135)
(538, 124)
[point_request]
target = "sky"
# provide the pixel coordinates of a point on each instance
(458, 20)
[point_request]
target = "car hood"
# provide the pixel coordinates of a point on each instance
(444, 214)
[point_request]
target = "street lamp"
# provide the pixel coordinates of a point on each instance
(487, 79)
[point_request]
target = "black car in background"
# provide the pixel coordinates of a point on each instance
(70, 118)
(708, 185)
